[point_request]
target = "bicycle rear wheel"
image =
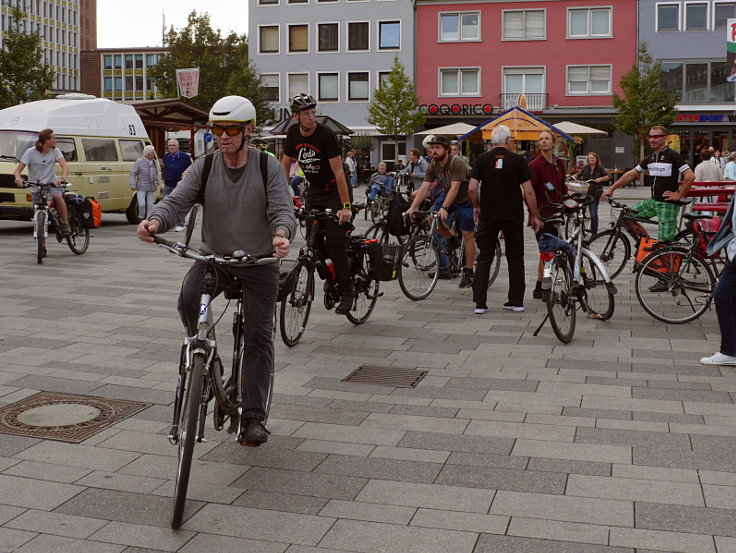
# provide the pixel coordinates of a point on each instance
(366, 294)
(674, 286)
(78, 240)
(296, 306)
(40, 236)
(419, 269)
(598, 296)
(613, 249)
(560, 300)
(187, 435)
(378, 232)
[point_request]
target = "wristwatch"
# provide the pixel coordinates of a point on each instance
(347, 205)
(445, 208)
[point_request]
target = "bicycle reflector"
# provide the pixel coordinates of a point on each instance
(546, 256)
(29, 198)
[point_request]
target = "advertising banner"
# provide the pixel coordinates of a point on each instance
(187, 80)
(731, 50)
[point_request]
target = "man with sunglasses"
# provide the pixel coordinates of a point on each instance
(663, 167)
(241, 212)
(315, 148)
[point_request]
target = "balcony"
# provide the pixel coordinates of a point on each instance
(535, 101)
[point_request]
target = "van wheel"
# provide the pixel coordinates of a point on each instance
(131, 214)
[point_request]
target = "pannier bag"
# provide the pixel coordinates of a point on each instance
(394, 217)
(384, 260)
(83, 208)
(664, 264)
(708, 228)
(96, 209)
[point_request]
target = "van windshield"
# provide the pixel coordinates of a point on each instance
(15, 143)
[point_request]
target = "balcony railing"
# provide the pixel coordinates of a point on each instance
(535, 101)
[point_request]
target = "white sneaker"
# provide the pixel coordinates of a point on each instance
(515, 308)
(719, 359)
(480, 310)
(179, 228)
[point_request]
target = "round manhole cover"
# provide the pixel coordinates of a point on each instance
(62, 414)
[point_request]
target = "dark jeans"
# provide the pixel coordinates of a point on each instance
(336, 248)
(486, 238)
(724, 297)
(261, 286)
(593, 210)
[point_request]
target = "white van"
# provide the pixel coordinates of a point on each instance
(100, 140)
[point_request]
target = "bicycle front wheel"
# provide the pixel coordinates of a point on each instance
(598, 297)
(187, 435)
(561, 301)
(377, 231)
(419, 269)
(78, 240)
(366, 294)
(674, 286)
(40, 236)
(296, 306)
(613, 249)
(376, 209)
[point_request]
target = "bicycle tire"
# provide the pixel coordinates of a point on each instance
(686, 235)
(296, 306)
(378, 231)
(674, 285)
(366, 294)
(419, 268)
(495, 264)
(613, 249)
(376, 210)
(78, 240)
(187, 435)
(598, 297)
(40, 236)
(560, 301)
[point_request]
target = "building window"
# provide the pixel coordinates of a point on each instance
(270, 85)
(459, 82)
(118, 61)
(699, 81)
(722, 12)
(268, 2)
(523, 80)
(358, 85)
(107, 62)
(327, 89)
(128, 61)
(118, 83)
(149, 83)
(139, 61)
(108, 84)
(589, 23)
(358, 36)
(668, 17)
(298, 82)
(696, 16)
(298, 38)
(128, 83)
(524, 25)
(459, 26)
(139, 83)
(389, 35)
(150, 60)
(268, 42)
(297, 1)
(588, 79)
(383, 77)
(327, 37)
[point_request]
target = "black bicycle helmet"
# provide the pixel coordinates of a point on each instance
(302, 101)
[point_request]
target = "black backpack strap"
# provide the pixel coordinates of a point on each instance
(206, 171)
(263, 164)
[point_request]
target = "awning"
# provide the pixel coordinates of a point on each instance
(337, 127)
(574, 128)
(523, 125)
(456, 129)
(170, 113)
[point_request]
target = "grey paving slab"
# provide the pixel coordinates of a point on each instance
(502, 479)
(681, 518)
(558, 531)
(386, 469)
(681, 395)
(369, 537)
(487, 460)
(78, 455)
(54, 544)
(290, 503)
(596, 413)
(654, 491)
(425, 411)
(687, 543)
(493, 384)
(491, 544)
(632, 438)
(573, 451)
(273, 457)
(571, 467)
(35, 494)
(451, 442)
(225, 544)
(453, 520)
(353, 434)
(11, 540)
(329, 486)
(11, 445)
(431, 496)
(368, 512)
(317, 414)
(668, 417)
(415, 423)
(558, 433)
(56, 524)
(138, 535)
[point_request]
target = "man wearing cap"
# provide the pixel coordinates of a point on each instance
(449, 175)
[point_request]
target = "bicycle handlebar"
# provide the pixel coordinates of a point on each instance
(63, 184)
(237, 258)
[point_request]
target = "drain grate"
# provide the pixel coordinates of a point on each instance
(64, 417)
(386, 376)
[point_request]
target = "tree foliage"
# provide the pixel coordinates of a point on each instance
(24, 76)
(223, 64)
(645, 103)
(395, 108)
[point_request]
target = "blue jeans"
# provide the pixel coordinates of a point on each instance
(296, 180)
(353, 180)
(385, 189)
(724, 297)
(145, 203)
(593, 210)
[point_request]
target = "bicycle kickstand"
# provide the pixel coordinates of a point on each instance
(541, 324)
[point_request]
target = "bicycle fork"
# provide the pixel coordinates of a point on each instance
(40, 232)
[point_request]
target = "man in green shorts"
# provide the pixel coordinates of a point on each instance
(663, 167)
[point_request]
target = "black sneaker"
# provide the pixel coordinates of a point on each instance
(252, 432)
(467, 279)
(65, 230)
(442, 276)
(346, 304)
(659, 286)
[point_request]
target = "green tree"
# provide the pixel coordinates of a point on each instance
(645, 103)
(395, 108)
(24, 77)
(223, 64)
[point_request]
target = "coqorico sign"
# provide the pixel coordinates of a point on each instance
(456, 109)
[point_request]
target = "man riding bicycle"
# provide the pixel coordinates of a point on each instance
(241, 212)
(316, 149)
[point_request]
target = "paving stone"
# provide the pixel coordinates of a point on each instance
(369, 537)
(329, 486)
(55, 544)
(681, 395)
(353, 434)
(632, 438)
(493, 384)
(324, 383)
(502, 479)
(273, 457)
(460, 443)
(317, 414)
(78, 455)
(11, 540)
(596, 413)
(488, 543)
(387, 469)
(428, 411)
(655, 473)
(414, 423)
(57, 524)
(573, 451)
(122, 482)
(653, 491)
(720, 497)
(725, 545)
(339, 448)
(668, 417)
(639, 426)
(410, 454)
(687, 543)
(453, 520)
(570, 467)
(682, 518)
(683, 385)
(527, 430)
(487, 460)
(369, 512)
(556, 530)
(35, 494)
(138, 535)
(46, 471)
(134, 394)
(432, 496)
(255, 524)
(225, 544)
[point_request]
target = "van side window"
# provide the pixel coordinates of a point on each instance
(131, 149)
(68, 148)
(99, 149)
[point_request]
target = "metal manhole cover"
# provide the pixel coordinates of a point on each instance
(64, 417)
(386, 376)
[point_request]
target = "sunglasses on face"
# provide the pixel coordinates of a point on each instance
(231, 130)
(657, 136)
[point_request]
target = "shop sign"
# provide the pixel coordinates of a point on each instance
(704, 118)
(456, 109)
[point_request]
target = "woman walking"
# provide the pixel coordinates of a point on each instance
(144, 180)
(594, 170)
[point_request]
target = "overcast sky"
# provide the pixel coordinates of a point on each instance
(139, 22)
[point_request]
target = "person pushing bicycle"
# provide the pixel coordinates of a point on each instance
(241, 212)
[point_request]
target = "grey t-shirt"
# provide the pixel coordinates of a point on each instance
(41, 166)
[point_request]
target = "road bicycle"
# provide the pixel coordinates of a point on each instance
(574, 277)
(299, 289)
(202, 376)
(46, 217)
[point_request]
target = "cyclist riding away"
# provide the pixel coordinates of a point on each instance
(664, 166)
(241, 212)
(316, 149)
(40, 161)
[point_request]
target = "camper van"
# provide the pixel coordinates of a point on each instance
(100, 140)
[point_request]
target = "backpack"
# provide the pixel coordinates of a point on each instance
(262, 163)
(397, 226)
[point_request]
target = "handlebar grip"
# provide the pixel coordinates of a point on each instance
(162, 241)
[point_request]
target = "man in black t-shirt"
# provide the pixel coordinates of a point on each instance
(496, 183)
(315, 148)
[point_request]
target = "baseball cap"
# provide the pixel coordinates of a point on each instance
(440, 140)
